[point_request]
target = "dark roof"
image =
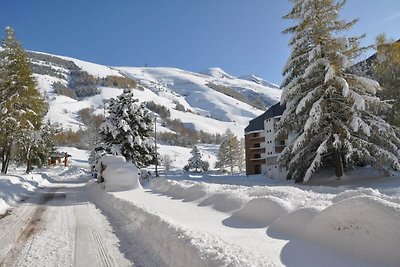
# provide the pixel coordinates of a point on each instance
(59, 154)
(257, 124)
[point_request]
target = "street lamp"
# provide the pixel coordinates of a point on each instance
(155, 143)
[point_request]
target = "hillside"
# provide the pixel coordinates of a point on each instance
(212, 101)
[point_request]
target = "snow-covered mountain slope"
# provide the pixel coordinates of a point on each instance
(258, 80)
(212, 101)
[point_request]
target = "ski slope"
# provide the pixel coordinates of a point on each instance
(206, 108)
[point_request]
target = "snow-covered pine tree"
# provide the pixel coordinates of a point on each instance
(22, 107)
(230, 152)
(335, 114)
(195, 162)
(128, 130)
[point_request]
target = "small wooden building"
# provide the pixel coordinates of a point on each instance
(58, 158)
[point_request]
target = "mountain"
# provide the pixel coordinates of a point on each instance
(258, 80)
(211, 101)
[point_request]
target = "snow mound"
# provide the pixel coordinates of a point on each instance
(293, 224)
(258, 212)
(223, 202)
(118, 174)
(366, 227)
(195, 192)
(176, 191)
(356, 193)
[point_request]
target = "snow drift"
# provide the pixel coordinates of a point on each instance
(367, 227)
(258, 212)
(118, 174)
(149, 235)
(360, 223)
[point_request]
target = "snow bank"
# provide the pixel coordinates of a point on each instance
(366, 227)
(293, 224)
(258, 212)
(118, 174)
(15, 187)
(224, 202)
(362, 223)
(168, 244)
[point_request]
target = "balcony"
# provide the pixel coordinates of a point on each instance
(257, 139)
(279, 149)
(282, 137)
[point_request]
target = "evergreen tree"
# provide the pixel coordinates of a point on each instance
(334, 113)
(195, 162)
(128, 129)
(22, 108)
(230, 152)
(386, 69)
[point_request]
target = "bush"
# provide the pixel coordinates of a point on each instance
(61, 89)
(161, 110)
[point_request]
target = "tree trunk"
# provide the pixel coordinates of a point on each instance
(3, 160)
(28, 166)
(338, 164)
(4, 168)
(6, 159)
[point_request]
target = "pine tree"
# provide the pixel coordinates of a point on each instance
(230, 152)
(386, 69)
(195, 162)
(128, 129)
(22, 107)
(334, 113)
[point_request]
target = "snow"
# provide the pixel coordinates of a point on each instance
(258, 80)
(16, 186)
(94, 69)
(216, 73)
(118, 174)
(297, 219)
(208, 110)
(184, 219)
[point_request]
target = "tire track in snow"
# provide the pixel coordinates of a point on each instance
(58, 228)
(30, 228)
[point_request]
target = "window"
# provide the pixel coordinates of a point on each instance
(257, 156)
(256, 145)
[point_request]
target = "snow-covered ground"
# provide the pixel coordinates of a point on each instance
(184, 219)
(260, 222)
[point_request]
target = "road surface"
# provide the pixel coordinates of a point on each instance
(58, 226)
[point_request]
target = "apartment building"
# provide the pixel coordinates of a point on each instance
(262, 147)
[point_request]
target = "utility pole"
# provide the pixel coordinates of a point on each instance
(155, 142)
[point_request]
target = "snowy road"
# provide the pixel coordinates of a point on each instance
(58, 226)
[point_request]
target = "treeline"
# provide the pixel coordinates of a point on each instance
(80, 83)
(255, 101)
(83, 137)
(181, 135)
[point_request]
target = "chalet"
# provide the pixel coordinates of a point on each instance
(58, 158)
(261, 145)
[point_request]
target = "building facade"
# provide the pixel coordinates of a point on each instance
(261, 145)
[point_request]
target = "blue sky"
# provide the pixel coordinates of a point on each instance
(240, 36)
